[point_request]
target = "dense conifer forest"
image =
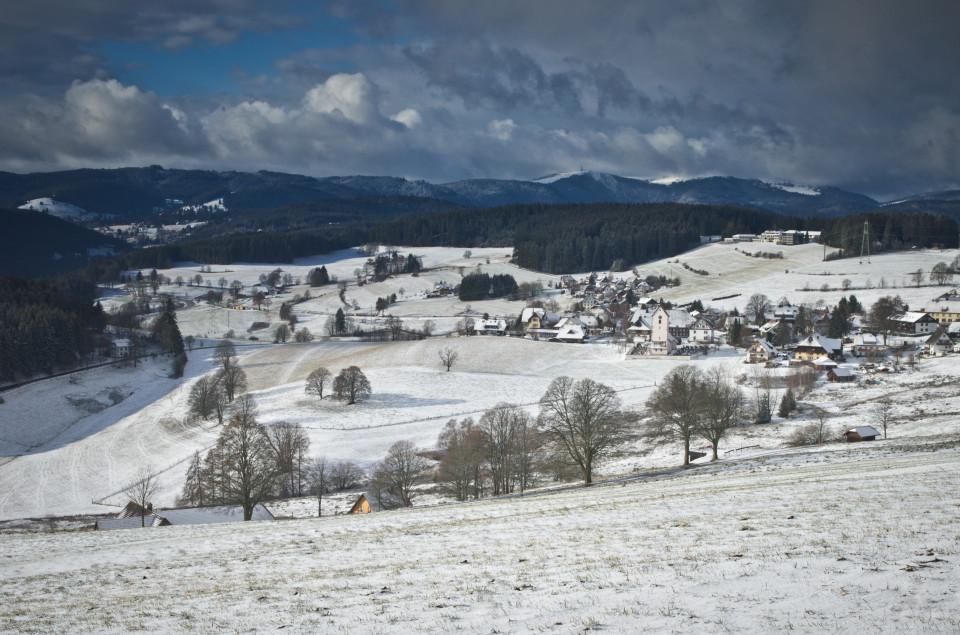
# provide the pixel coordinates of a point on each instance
(45, 326)
(890, 231)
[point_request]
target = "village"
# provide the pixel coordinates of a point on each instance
(634, 326)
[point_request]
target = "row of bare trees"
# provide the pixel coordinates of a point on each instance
(213, 396)
(508, 449)
(249, 463)
(691, 403)
(350, 385)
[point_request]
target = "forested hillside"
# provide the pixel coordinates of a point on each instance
(45, 326)
(890, 231)
(581, 237)
(34, 244)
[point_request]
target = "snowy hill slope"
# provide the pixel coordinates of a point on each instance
(859, 539)
(69, 441)
(54, 207)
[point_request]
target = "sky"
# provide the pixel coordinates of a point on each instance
(853, 93)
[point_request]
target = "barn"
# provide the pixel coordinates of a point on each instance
(861, 433)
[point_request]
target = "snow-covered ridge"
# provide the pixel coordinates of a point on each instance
(553, 178)
(796, 189)
(53, 207)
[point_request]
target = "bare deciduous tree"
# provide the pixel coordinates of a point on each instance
(319, 473)
(882, 415)
(225, 353)
(757, 307)
(317, 380)
(941, 273)
(345, 475)
(289, 444)
(232, 380)
(460, 468)
(723, 404)
(351, 384)
(499, 426)
(400, 472)
(917, 277)
(141, 490)
(448, 357)
(203, 399)
(675, 407)
(820, 425)
(585, 418)
(249, 464)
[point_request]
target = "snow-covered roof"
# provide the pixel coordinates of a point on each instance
(869, 339)
(842, 372)
(864, 431)
(132, 522)
(825, 362)
(530, 311)
(571, 332)
(207, 515)
(819, 341)
(765, 345)
(491, 324)
(910, 316)
(703, 323)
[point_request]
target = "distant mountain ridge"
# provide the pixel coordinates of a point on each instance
(132, 191)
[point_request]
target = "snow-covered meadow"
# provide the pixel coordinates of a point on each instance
(860, 539)
(71, 443)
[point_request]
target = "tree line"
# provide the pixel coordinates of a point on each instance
(889, 232)
(45, 326)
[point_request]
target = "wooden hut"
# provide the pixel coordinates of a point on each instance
(861, 433)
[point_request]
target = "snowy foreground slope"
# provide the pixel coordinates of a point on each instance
(858, 539)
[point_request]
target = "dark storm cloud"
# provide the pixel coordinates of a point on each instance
(853, 93)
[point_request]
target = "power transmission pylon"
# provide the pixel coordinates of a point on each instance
(865, 243)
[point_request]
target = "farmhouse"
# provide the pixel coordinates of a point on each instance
(840, 375)
(816, 346)
(121, 348)
(869, 344)
(913, 323)
(702, 331)
(571, 333)
(760, 351)
(938, 343)
(861, 433)
(493, 326)
(944, 315)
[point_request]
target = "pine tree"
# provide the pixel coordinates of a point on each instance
(340, 322)
(787, 404)
(166, 328)
(733, 333)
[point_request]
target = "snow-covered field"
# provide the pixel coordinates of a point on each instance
(54, 207)
(860, 539)
(70, 441)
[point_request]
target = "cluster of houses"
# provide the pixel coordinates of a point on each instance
(934, 333)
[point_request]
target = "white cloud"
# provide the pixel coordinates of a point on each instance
(408, 117)
(502, 129)
(665, 140)
(351, 95)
